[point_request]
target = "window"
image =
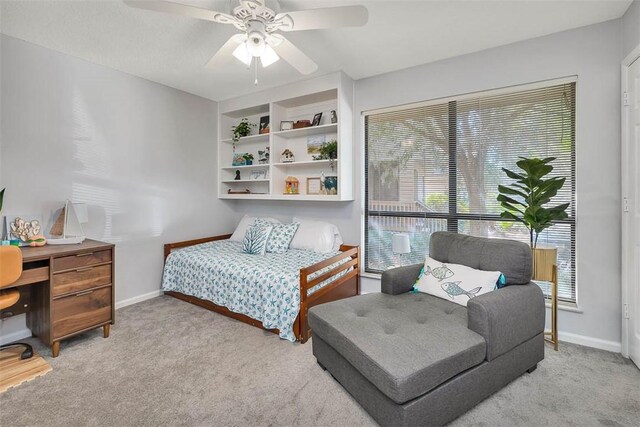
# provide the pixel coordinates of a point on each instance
(437, 166)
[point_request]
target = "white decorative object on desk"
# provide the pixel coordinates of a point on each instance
(68, 226)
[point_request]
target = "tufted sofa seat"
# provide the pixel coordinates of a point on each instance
(415, 359)
(405, 345)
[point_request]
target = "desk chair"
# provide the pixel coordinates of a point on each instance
(10, 271)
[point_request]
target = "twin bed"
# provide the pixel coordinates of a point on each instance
(271, 291)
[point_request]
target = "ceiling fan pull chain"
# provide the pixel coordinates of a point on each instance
(255, 83)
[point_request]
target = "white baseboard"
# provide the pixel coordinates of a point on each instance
(137, 299)
(613, 346)
(15, 336)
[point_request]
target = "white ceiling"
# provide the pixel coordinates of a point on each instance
(173, 50)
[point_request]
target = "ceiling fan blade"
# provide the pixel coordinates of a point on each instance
(225, 53)
(182, 10)
(331, 17)
(294, 56)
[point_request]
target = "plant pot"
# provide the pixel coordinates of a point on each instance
(249, 162)
(333, 155)
(544, 258)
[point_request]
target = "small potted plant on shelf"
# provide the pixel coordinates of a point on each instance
(248, 158)
(242, 129)
(524, 201)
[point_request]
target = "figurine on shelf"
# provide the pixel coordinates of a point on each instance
(287, 156)
(263, 156)
(237, 178)
(291, 185)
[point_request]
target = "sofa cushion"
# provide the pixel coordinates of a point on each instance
(405, 344)
(510, 257)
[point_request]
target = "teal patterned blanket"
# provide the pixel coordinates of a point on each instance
(263, 287)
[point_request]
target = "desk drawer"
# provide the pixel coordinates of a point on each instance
(33, 275)
(81, 279)
(81, 260)
(81, 311)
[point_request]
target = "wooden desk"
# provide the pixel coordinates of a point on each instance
(66, 290)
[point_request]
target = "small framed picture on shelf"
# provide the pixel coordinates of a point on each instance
(331, 185)
(238, 159)
(259, 174)
(316, 119)
(264, 125)
(314, 186)
(314, 144)
(286, 125)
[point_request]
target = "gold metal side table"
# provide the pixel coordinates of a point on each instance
(552, 335)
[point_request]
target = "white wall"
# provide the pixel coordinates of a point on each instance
(593, 54)
(631, 28)
(141, 155)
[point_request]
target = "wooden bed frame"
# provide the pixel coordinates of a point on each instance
(345, 286)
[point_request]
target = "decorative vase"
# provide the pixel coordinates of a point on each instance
(544, 258)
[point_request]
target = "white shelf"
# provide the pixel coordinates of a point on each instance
(302, 197)
(247, 139)
(245, 167)
(251, 196)
(325, 94)
(305, 163)
(233, 181)
(315, 198)
(311, 130)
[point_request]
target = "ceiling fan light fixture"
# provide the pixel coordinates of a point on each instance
(268, 57)
(242, 54)
(255, 43)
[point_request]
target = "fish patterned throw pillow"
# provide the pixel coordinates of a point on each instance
(255, 240)
(455, 282)
(280, 237)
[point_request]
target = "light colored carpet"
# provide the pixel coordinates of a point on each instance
(171, 363)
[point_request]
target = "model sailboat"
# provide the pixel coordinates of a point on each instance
(67, 229)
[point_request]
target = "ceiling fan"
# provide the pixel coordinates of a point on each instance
(259, 26)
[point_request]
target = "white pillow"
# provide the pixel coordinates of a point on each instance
(245, 223)
(455, 282)
(317, 236)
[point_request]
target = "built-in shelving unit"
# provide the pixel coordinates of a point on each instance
(290, 103)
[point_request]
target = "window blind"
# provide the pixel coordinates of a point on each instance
(437, 167)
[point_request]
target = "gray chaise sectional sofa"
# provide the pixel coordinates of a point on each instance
(415, 359)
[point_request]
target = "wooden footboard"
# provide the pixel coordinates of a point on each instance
(345, 286)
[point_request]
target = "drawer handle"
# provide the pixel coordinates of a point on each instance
(84, 254)
(79, 294)
(80, 270)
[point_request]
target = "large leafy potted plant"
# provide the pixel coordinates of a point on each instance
(526, 200)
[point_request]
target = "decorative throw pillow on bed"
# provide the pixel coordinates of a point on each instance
(455, 282)
(280, 236)
(246, 222)
(255, 240)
